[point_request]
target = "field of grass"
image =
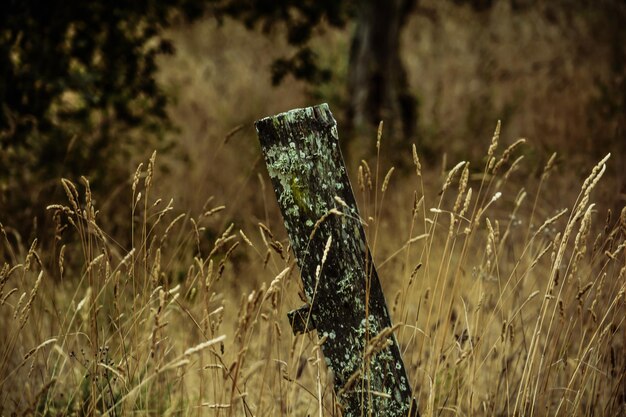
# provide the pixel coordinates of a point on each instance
(506, 308)
(507, 276)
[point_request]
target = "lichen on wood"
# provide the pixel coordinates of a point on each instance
(301, 149)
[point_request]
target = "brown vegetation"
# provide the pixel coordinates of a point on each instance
(507, 280)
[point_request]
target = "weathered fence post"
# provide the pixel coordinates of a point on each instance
(346, 303)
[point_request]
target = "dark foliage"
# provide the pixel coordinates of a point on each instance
(300, 18)
(77, 88)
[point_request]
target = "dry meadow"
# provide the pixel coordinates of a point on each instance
(505, 269)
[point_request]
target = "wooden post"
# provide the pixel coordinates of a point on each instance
(345, 300)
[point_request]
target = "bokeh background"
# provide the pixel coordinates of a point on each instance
(144, 266)
(92, 89)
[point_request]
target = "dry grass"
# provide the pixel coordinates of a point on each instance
(503, 309)
(507, 287)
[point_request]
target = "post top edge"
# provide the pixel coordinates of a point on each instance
(296, 112)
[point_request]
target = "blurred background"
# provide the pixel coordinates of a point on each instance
(92, 88)
(136, 102)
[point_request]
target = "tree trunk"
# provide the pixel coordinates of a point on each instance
(377, 80)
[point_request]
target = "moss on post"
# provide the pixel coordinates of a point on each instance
(303, 159)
